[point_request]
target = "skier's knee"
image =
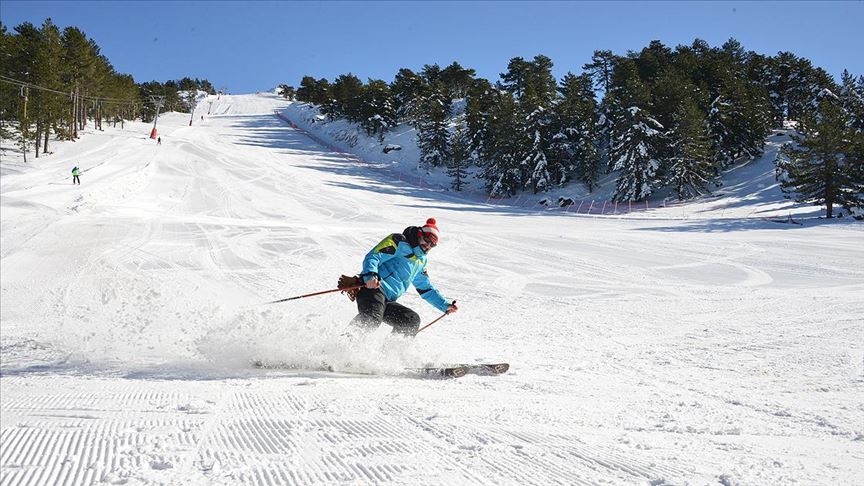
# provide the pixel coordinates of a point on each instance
(409, 331)
(408, 325)
(366, 321)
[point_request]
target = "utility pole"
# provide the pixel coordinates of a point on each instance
(156, 100)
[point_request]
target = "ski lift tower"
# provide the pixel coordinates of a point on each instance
(157, 101)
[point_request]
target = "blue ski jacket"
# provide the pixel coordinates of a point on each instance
(399, 261)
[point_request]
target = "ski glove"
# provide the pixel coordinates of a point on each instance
(346, 282)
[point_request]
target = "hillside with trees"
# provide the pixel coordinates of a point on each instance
(656, 119)
(53, 81)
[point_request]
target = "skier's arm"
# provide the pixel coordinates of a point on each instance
(429, 292)
(382, 252)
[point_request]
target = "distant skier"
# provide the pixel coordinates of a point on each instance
(158, 140)
(75, 173)
(395, 263)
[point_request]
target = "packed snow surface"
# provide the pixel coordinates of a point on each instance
(647, 348)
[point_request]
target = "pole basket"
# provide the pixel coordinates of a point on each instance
(153, 133)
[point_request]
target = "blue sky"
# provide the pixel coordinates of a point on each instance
(251, 46)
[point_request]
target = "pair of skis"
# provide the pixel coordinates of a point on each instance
(449, 371)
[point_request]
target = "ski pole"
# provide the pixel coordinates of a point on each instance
(314, 293)
(442, 316)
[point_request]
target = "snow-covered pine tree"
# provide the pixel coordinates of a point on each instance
(573, 146)
(690, 169)
(406, 89)
(794, 82)
(480, 99)
(460, 149)
(530, 142)
(344, 99)
(377, 108)
(824, 165)
(287, 92)
(738, 121)
(853, 99)
(501, 169)
(535, 87)
(634, 144)
(536, 155)
(432, 133)
(635, 135)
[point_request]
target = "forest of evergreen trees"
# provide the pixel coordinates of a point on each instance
(658, 118)
(53, 81)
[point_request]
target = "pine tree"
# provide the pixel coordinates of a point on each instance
(313, 91)
(738, 122)
(432, 133)
(600, 70)
(344, 99)
(536, 155)
(47, 106)
(457, 80)
(431, 74)
(23, 65)
(853, 100)
(480, 100)
(407, 89)
(794, 82)
(653, 61)
(535, 88)
(459, 157)
(53, 64)
(573, 148)
(287, 92)
(824, 164)
(690, 170)
(532, 141)
(7, 91)
(377, 109)
(502, 171)
(635, 136)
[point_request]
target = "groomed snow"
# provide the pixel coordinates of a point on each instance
(655, 348)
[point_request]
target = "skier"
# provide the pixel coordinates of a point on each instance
(159, 141)
(75, 173)
(398, 261)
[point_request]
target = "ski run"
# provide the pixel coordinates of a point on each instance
(695, 344)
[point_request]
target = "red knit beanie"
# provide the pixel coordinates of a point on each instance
(430, 231)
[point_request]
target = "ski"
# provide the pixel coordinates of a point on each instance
(441, 371)
(486, 368)
(460, 370)
(447, 371)
(279, 365)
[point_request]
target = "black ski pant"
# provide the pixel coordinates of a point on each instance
(76, 180)
(374, 309)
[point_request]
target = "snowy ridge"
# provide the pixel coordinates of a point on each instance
(715, 349)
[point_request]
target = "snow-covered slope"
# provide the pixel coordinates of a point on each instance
(748, 190)
(644, 350)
